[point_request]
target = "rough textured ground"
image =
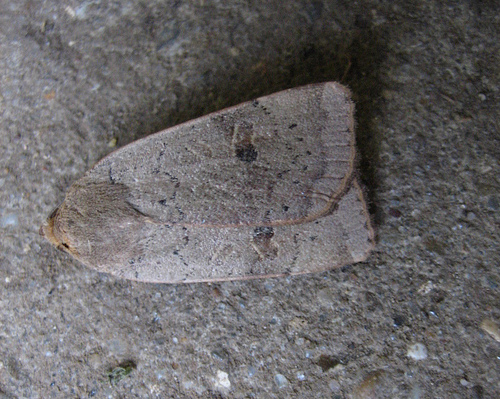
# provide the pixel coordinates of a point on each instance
(417, 320)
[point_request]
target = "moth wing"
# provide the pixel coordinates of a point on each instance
(176, 254)
(281, 159)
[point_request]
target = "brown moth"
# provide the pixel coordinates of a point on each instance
(265, 188)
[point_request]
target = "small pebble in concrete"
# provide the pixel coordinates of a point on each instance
(491, 328)
(424, 289)
(493, 203)
(334, 386)
(370, 387)
(9, 219)
(417, 352)
(223, 379)
(280, 381)
(251, 371)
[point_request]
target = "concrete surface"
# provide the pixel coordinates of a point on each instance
(419, 319)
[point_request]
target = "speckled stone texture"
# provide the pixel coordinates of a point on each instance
(419, 319)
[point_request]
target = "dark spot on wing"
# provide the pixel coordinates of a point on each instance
(246, 153)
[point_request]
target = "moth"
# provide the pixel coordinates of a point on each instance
(262, 189)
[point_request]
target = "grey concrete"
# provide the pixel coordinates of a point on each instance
(419, 319)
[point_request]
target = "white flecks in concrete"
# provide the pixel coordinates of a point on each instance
(222, 380)
(417, 352)
(301, 376)
(426, 288)
(70, 11)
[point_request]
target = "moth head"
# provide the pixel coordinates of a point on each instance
(53, 230)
